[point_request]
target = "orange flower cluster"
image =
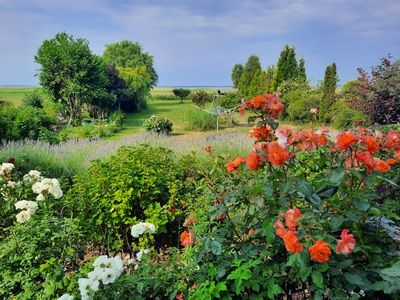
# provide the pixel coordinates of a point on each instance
(346, 243)
(292, 216)
(307, 140)
(260, 132)
(268, 104)
(208, 149)
(368, 145)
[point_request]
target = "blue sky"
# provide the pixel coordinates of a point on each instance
(198, 42)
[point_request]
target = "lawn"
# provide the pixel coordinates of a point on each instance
(15, 94)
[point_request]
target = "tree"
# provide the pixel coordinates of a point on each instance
(384, 95)
(128, 54)
(267, 79)
(328, 90)
(301, 72)
(70, 73)
(236, 73)
(250, 71)
(286, 68)
(181, 93)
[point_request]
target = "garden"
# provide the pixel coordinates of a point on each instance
(111, 188)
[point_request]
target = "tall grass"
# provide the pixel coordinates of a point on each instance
(73, 157)
(197, 119)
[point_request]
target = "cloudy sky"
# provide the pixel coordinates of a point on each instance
(198, 42)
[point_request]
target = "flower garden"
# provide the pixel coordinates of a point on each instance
(305, 215)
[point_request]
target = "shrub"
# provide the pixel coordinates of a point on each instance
(137, 184)
(229, 100)
(200, 98)
(300, 104)
(200, 120)
(158, 125)
(181, 93)
(34, 99)
(90, 131)
(342, 116)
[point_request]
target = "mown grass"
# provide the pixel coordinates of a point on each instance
(15, 94)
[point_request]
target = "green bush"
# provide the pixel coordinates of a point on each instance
(229, 100)
(200, 98)
(23, 122)
(137, 184)
(342, 116)
(200, 120)
(300, 104)
(181, 93)
(90, 131)
(33, 99)
(159, 125)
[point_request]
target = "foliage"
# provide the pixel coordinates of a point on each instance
(181, 93)
(90, 131)
(286, 68)
(236, 74)
(70, 73)
(268, 79)
(301, 102)
(128, 54)
(301, 72)
(384, 96)
(21, 123)
(200, 98)
(328, 91)
(229, 100)
(34, 99)
(199, 120)
(137, 184)
(159, 125)
(342, 116)
(250, 76)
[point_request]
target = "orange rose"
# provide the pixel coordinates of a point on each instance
(370, 143)
(235, 164)
(346, 244)
(187, 238)
(381, 165)
(291, 218)
(260, 133)
(291, 242)
(320, 251)
(280, 229)
(253, 161)
(365, 158)
(345, 140)
(208, 149)
(277, 155)
(393, 140)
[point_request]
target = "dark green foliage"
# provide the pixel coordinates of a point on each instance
(301, 101)
(128, 54)
(384, 96)
(301, 72)
(250, 77)
(328, 91)
(236, 74)
(286, 68)
(200, 98)
(181, 93)
(229, 100)
(34, 99)
(343, 116)
(70, 73)
(159, 125)
(268, 79)
(20, 123)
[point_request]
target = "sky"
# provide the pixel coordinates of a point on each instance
(197, 42)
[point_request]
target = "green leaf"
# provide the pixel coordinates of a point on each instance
(304, 188)
(326, 191)
(337, 175)
(318, 279)
(356, 279)
(305, 272)
(362, 204)
(269, 231)
(336, 222)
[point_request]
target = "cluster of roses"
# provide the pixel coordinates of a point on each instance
(272, 146)
(359, 149)
(320, 250)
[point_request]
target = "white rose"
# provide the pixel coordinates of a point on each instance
(23, 216)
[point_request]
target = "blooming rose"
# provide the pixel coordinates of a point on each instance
(345, 140)
(277, 155)
(346, 243)
(253, 161)
(291, 242)
(187, 238)
(320, 251)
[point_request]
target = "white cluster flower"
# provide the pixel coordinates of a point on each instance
(140, 254)
(5, 169)
(66, 297)
(33, 176)
(106, 270)
(141, 228)
(28, 208)
(47, 185)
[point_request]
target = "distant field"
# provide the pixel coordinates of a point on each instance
(15, 94)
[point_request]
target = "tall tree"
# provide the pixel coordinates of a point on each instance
(286, 66)
(301, 71)
(251, 70)
(267, 78)
(328, 90)
(128, 54)
(236, 73)
(70, 73)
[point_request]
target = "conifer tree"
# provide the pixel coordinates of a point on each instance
(236, 73)
(251, 70)
(328, 90)
(301, 72)
(286, 67)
